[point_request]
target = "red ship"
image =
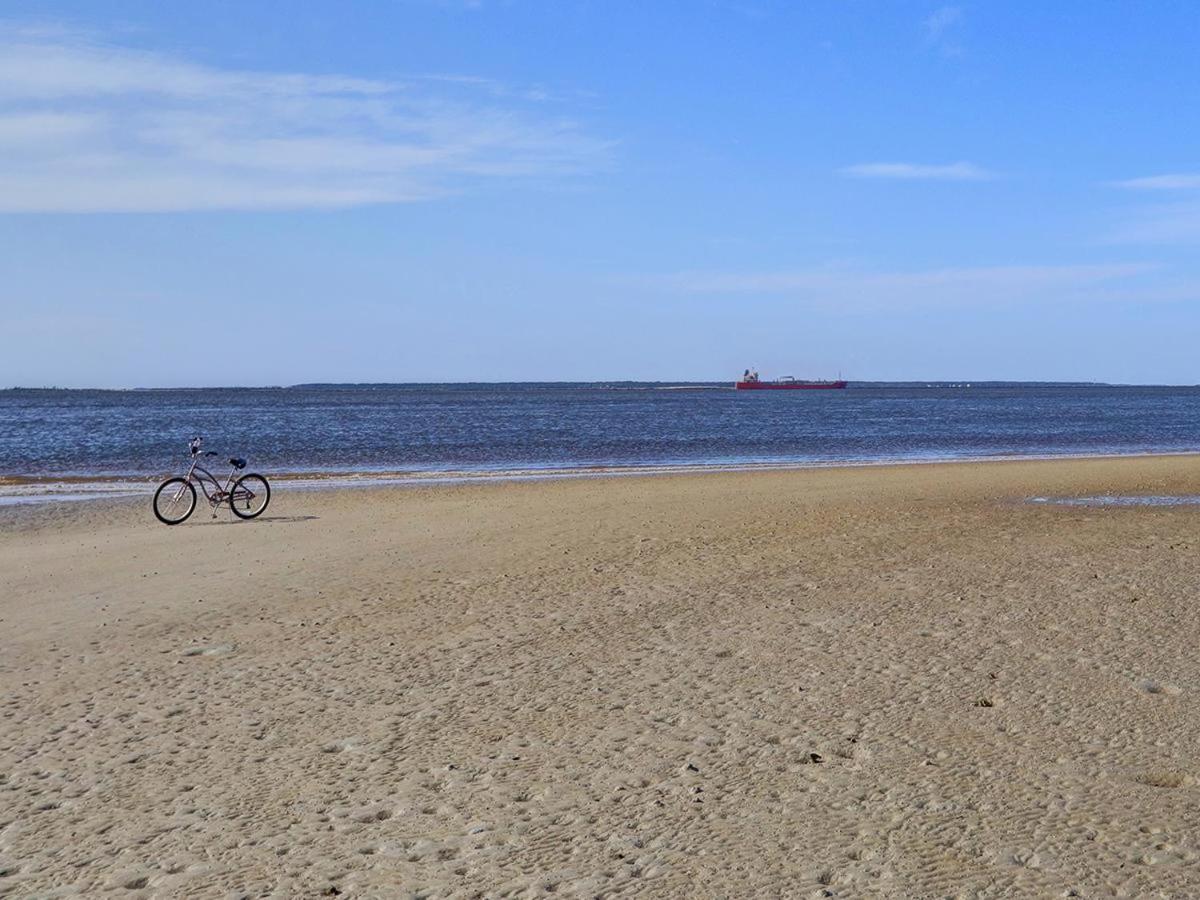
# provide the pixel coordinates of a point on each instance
(751, 382)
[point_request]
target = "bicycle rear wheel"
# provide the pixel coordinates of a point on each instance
(174, 501)
(250, 496)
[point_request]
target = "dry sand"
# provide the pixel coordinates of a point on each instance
(891, 682)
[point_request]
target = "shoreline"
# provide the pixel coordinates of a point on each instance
(35, 490)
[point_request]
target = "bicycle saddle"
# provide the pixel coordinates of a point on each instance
(237, 462)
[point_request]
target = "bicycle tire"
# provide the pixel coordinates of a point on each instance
(249, 511)
(168, 517)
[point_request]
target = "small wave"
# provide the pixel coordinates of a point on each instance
(31, 491)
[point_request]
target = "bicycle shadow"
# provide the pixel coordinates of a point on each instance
(272, 519)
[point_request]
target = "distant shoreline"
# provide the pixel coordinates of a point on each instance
(935, 384)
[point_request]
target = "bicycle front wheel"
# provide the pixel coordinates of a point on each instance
(174, 501)
(250, 496)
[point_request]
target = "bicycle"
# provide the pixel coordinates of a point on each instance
(175, 498)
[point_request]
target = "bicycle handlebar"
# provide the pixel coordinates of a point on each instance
(194, 445)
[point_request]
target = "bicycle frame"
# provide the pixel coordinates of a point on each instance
(201, 476)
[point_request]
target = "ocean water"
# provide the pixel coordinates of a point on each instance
(526, 430)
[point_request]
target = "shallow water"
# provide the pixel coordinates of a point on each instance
(1180, 500)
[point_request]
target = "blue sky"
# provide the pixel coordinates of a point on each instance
(271, 193)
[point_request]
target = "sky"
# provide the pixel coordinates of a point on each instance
(268, 193)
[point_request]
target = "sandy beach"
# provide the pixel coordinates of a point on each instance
(885, 682)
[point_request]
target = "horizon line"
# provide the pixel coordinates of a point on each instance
(947, 382)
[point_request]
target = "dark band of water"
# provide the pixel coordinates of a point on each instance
(527, 428)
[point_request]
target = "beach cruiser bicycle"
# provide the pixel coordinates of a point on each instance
(247, 495)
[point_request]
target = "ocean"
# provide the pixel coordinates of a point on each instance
(69, 444)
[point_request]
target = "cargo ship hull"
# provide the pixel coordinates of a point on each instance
(789, 385)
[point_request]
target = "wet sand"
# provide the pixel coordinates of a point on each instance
(892, 682)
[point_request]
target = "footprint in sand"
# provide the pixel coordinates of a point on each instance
(340, 746)
(1165, 778)
(372, 814)
(1154, 686)
(212, 650)
(130, 880)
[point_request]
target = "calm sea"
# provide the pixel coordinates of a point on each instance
(522, 430)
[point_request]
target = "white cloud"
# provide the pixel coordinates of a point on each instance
(959, 171)
(855, 289)
(1173, 182)
(940, 27)
(88, 127)
(36, 129)
(1169, 223)
(941, 19)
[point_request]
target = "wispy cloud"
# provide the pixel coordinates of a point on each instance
(1179, 181)
(940, 28)
(1165, 223)
(1170, 221)
(89, 127)
(855, 289)
(959, 171)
